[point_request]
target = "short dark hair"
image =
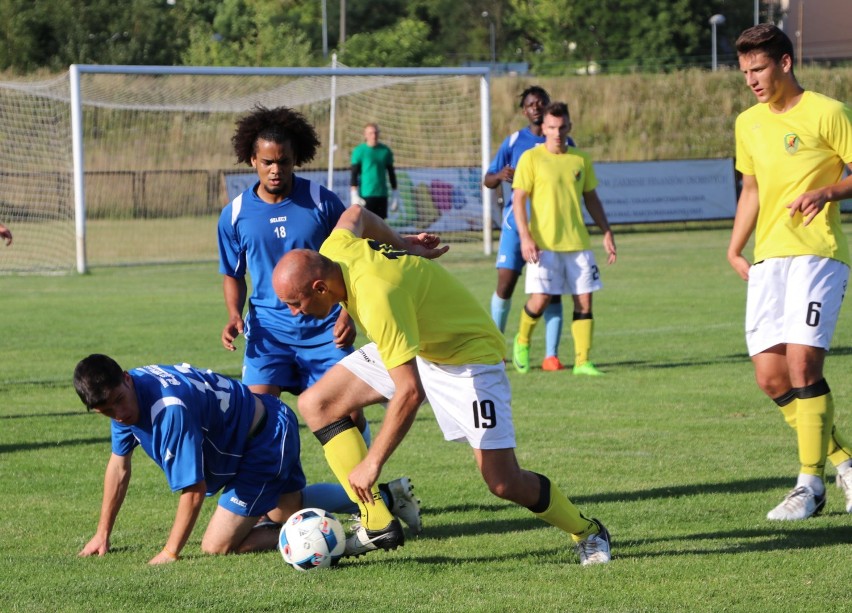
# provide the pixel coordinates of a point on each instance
(276, 125)
(765, 38)
(557, 109)
(95, 377)
(535, 90)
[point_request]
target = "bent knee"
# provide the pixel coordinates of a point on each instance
(216, 549)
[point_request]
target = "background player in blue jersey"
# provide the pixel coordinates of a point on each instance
(281, 212)
(510, 262)
(207, 433)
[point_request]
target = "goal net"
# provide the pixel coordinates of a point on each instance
(139, 170)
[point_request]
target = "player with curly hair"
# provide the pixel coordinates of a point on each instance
(282, 211)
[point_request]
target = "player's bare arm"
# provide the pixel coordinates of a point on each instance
(595, 208)
(235, 291)
(402, 408)
(116, 481)
(189, 506)
(493, 180)
(744, 224)
(811, 203)
(365, 224)
(529, 248)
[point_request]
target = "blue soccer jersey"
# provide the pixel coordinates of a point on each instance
(193, 423)
(254, 235)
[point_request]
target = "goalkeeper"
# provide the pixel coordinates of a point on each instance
(371, 160)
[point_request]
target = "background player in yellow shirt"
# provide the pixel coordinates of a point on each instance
(791, 149)
(431, 339)
(554, 240)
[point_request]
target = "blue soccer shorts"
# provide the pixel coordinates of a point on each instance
(270, 465)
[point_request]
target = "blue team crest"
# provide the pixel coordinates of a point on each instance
(791, 143)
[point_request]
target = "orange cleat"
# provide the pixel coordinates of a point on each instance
(551, 362)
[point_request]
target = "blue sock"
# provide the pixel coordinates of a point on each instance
(500, 311)
(329, 496)
(368, 436)
(552, 328)
(332, 497)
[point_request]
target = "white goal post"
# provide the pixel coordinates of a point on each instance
(151, 164)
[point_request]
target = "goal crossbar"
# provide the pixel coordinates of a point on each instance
(339, 85)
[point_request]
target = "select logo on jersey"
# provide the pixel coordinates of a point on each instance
(791, 143)
(281, 219)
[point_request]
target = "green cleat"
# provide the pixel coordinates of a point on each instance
(588, 369)
(521, 357)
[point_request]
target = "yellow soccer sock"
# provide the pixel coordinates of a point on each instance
(581, 330)
(561, 512)
(344, 450)
(526, 327)
(814, 422)
(839, 450)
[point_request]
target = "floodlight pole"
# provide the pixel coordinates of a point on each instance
(715, 20)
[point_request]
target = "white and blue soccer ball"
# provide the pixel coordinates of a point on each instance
(312, 538)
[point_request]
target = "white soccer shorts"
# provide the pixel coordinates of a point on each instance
(794, 300)
(563, 272)
(471, 402)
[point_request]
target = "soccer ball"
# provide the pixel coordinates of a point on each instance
(311, 538)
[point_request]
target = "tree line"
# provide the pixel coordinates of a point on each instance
(553, 37)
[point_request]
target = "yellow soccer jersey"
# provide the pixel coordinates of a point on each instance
(412, 306)
(555, 184)
(789, 154)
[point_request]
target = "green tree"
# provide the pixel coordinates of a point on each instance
(250, 33)
(406, 43)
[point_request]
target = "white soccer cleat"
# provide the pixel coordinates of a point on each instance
(799, 503)
(403, 503)
(844, 482)
(595, 549)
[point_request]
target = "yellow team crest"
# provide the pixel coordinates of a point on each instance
(791, 143)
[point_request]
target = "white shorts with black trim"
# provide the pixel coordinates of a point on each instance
(563, 272)
(794, 300)
(472, 402)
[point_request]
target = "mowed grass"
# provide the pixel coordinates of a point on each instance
(676, 450)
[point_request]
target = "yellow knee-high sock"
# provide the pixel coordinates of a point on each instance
(581, 330)
(839, 450)
(814, 422)
(555, 508)
(526, 327)
(344, 450)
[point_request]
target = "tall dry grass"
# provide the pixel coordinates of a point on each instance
(682, 115)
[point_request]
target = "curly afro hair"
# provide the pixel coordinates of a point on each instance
(276, 125)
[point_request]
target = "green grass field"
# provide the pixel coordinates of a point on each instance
(676, 450)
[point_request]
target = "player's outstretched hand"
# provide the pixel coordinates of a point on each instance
(97, 546)
(425, 245)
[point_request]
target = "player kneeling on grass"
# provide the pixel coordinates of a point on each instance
(432, 341)
(207, 433)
